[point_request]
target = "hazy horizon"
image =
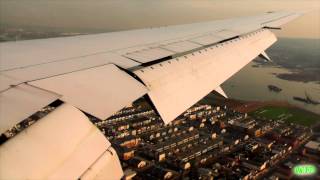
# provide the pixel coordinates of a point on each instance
(114, 15)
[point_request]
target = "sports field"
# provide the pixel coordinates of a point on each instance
(288, 114)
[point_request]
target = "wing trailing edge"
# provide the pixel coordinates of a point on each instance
(20, 102)
(99, 91)
(177, 84)
(58, 146)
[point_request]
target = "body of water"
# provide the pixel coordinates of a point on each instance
(289, 55)
(251, 83)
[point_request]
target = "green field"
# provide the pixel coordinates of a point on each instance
(288, 114)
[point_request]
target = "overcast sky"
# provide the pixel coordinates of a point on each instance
(113, 15)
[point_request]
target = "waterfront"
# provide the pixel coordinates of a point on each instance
(296, 59)
(251, 83)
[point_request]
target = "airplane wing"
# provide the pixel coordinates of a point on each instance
(99, 74)
(62, 145)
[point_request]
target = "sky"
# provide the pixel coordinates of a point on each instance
(114, 15)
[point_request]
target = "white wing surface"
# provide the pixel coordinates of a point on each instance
(90, 90)
(20, 102)
(99, 74)
(175, 85)
(62, 145)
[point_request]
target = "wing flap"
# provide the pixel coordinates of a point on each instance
(179, 83)
(46, 70)
(99, 91)
(57, 145)
(106, 167)
(20, 102)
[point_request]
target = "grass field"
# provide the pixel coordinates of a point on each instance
(288, 114)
